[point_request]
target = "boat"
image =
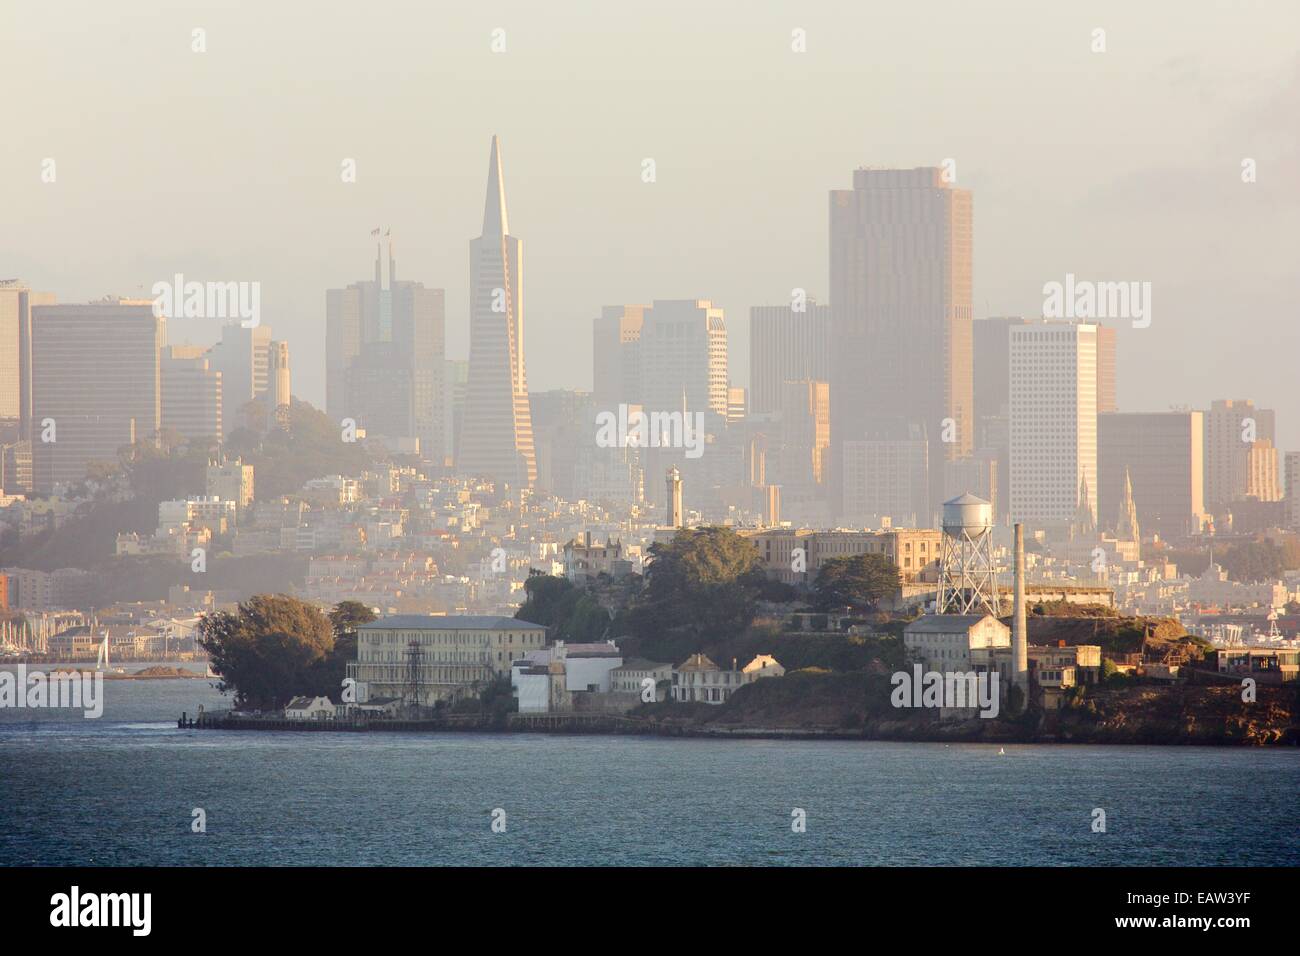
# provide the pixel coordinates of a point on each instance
(101, 659)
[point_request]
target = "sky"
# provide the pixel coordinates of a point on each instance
(225, 165)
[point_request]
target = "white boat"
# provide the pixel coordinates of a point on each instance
(101, 659)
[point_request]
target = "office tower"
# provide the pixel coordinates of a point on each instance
(616, 356)
(191, 393)
(343, 308)
(1261, 471)
(16, 302)
(455, 384)
(560, 430)
(380, 390)
(394, 326)
(683, 348)
(900, 281)
(805, 431)
(992, 391)
(1293, 490)
(786, 346)
(886, 478)
(16, 468)
(1161, 456)
(496, 438)
(279, 384)
(676, 516)
(1053, 422)
(253, 367)
(1106, 401)
(737, 405)
(1231, 427)
(96, 385)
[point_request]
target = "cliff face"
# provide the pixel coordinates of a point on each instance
(857, 705)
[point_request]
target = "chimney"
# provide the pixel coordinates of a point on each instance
(1019, 625)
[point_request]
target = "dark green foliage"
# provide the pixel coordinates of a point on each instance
(859, 581)
(568, 613)
(273, 649)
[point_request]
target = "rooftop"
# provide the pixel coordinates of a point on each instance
(451, 622)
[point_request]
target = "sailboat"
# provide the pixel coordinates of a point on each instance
(101, 659)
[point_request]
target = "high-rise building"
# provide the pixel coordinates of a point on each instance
(496, 438)
(1293, 490)
(886, 479)
(786, 346)
(1106, 400)
(191, 393)
(16, 302)
(1261, 471)
(395, 329)
(1232, 426)
(253, 366)
(96, 384)
(1053, 422)
(1161, 455)
(230, 481)
(616, 356)
(683, 347)
(805, 432)
(900, 284)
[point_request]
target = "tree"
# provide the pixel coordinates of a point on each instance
(567, 612)
(273, 649)
(705, 582)
(344, 620)
(857, 582)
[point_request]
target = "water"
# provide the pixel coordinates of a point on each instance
(120, 791)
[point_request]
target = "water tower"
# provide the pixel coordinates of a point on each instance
(968, 579)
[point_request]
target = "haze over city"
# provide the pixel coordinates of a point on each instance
(1123, 165)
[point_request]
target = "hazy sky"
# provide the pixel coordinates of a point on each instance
(225, 165)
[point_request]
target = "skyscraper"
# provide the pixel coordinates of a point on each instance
(191, 393)
(1232, 426)
(253, 366)
(1053, 422)
(786, 346)
(683, 349)
(496, 437)
(900, 281)
(384, 358)
(96, 385)
(616, 356)
(1159, 458)
(16, 302)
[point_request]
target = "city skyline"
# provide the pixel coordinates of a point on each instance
(1104, 225)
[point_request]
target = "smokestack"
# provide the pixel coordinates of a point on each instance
(1019, 625)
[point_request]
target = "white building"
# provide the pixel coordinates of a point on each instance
(309, 708)
(959, 642)
(1053, 421)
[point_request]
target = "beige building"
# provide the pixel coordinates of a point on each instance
(16, 302)
(958, 642)
(437, 658)
(901, 262)
(96, 384)
(683, 351)
(699, 679)
(191, 393)
(1232, 427)
(496, 434)
(1163, 454)
(786, 346)
(1053, 422)
(230, 481)
(913, 550)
